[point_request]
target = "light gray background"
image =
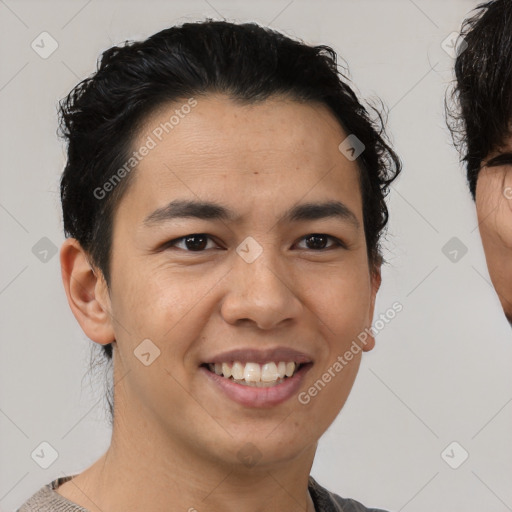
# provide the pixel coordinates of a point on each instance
(440, 371)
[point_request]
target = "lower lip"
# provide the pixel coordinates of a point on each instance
(251, 396)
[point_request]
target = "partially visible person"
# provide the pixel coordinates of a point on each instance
(481, 125)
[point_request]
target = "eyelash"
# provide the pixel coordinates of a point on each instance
(172, 243)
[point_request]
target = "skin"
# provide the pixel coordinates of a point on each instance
(494, 211)
(176, 437)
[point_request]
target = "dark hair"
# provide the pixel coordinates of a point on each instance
(101, 115)
(480, 115)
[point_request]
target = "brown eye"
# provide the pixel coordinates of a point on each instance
(318, 241)
(192, 243)
(198, 242)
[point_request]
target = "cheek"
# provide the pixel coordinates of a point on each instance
(158, 307)
(170, 307)
(330, 385)
(494, 209)
(343, 315)
(156, 317)
(343, 300)
(488, 196)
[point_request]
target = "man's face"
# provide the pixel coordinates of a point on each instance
(494, 209)
(255, 282)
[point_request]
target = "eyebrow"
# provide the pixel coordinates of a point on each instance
(204, 210)
(501, 159)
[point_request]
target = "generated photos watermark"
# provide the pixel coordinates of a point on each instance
(385, 318)
(150, 143)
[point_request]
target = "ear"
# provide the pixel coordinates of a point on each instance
(376, 280)
(87, 293)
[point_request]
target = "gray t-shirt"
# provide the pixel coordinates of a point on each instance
(47, 500)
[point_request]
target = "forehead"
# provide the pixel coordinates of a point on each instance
(270, 150)
(222, 127)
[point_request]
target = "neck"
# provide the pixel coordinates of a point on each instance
(148, 469)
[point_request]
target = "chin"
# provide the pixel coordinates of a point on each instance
(266, 449)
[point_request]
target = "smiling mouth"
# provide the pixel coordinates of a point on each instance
(254, 374)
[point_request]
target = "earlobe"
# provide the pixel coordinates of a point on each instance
(376, 280)
(86, 292)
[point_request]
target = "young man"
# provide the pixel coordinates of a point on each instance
(482, 128)
(223, 200)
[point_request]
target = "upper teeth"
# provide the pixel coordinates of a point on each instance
(254, 372)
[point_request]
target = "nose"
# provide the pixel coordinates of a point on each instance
(263, 292)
